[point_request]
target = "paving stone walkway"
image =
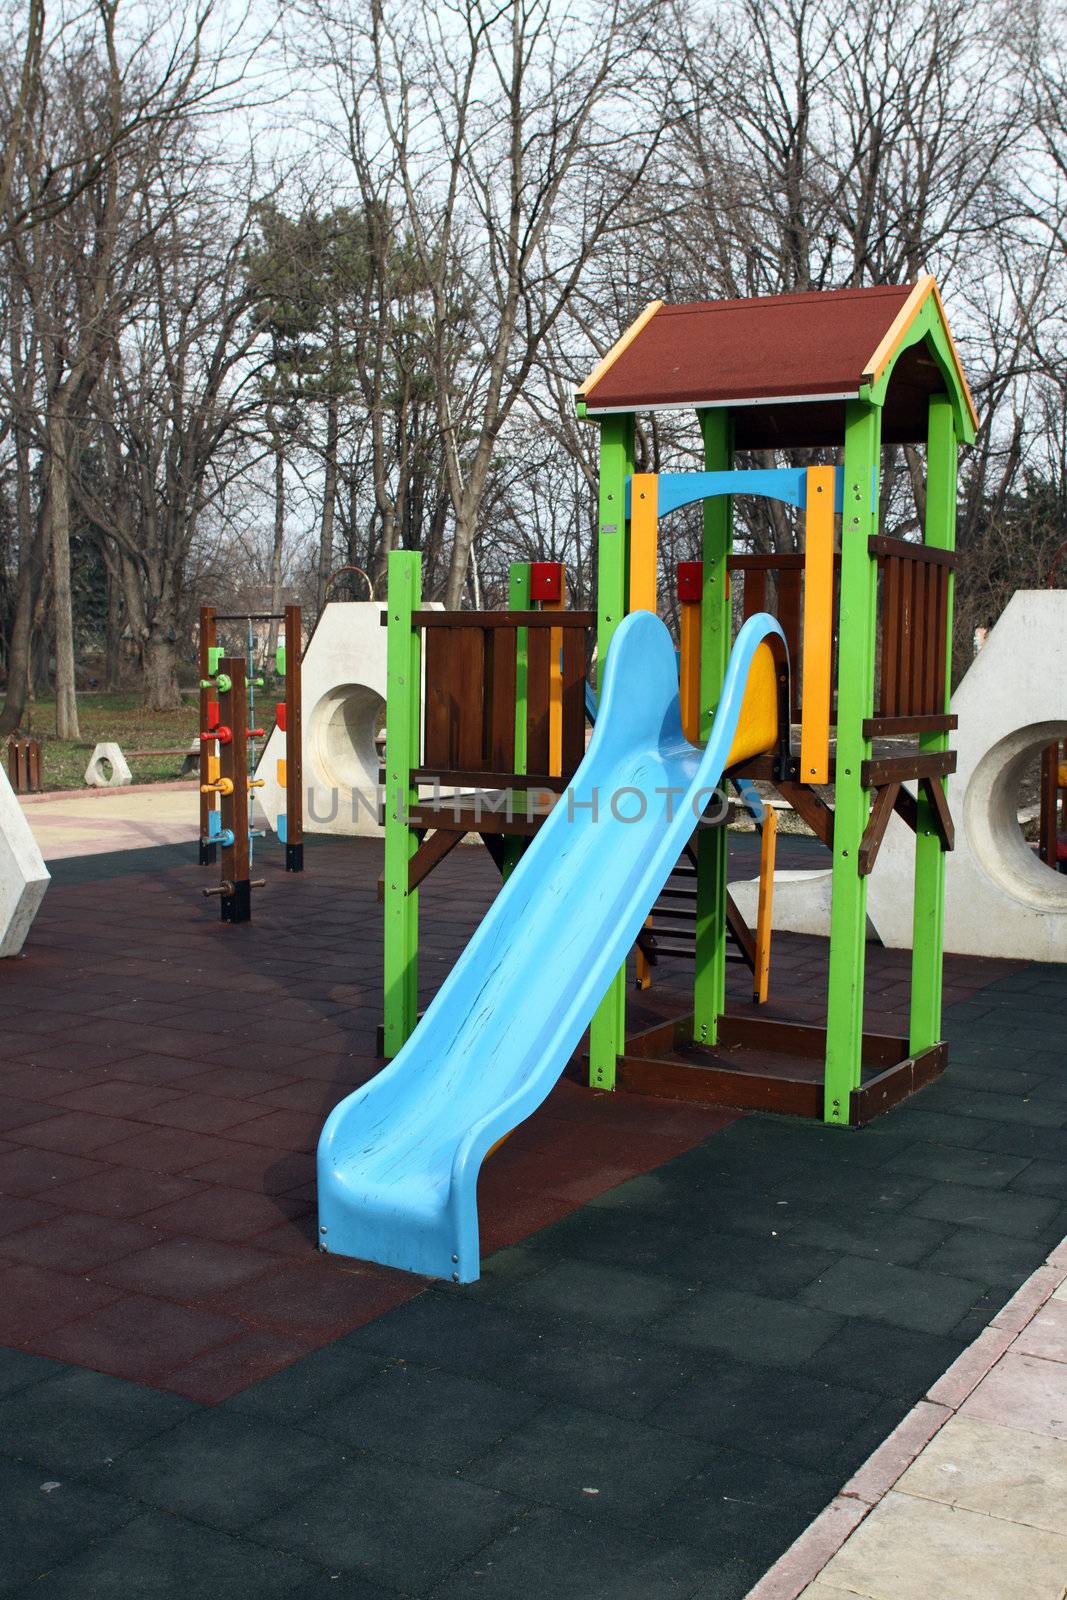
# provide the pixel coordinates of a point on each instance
(692, 1332)
(968, 1496)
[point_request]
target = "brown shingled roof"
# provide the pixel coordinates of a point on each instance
(806, 351)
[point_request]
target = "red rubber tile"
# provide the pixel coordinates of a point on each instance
(298, 1237)
(23, 1213)
(77, 1055)
(239, 1083)
(320, 1299)
(20, 1113)
(514, 1219)
(33, 1081)
(226, 1214)
(77, 1241)
(167, 1150)
(34, 1300)
(266, 1171)
(148, 1067)
(135, 1337)
(114, 1097)
(25, 1172)
(202, 1113)
(223, 1372)
(304, 1094)
(186, 1270)
(80, 1132)
(282, 1130)
(122, 1192)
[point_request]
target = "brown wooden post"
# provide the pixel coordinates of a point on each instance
(207, 699)
(236, 899)
(294, 744)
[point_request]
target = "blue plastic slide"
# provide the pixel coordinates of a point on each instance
(398, 1159)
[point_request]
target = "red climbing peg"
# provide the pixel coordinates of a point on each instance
(221, 733)
(255, 733)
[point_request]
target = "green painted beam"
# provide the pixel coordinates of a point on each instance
(709, 982)
(402, 715)
(928, 926)
(855, 695)
(607, 1031)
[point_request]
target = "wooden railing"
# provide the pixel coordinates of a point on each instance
(491, 687)
(913, 658)
(784, 601)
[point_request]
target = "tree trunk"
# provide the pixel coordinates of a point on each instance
(162, 692)
(113, 642)
(31, 556)
(62, 602)
(278, 546)
(329, 500)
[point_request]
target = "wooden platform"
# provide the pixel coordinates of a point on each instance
(761, 1064)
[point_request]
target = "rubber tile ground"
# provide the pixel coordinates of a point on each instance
(652, 1390)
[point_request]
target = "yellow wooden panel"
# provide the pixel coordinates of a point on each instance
(212, 769)
(621, 344)
(644, 534)
(818, 627)
(281, 773)
(555, 687)
(757, 729)
(689, 670)
(765, 907)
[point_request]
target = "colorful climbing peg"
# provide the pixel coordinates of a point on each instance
(222, 836)
(256, 783)
(220, 732)
(255, 733)
(217, 786)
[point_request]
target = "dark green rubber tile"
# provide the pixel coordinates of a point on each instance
(1027, 1110)
(989, 1259)
(18, 1370)
(877, 1235)
(45, 1521)
(226, 1469)
(907, 1297)
(590, 1290)
(896, 1362)
(916, 1121)
(155, 1557)
(438, 1420)
(610, 1238)
(787, 1415)
(451, 1331)
(589, 1464)
(985, 1169)
(780, 1333)
(391, 1523)
(549, 1555)
(1020, 1216)
(1016, 1140)
(81, 1421)
(772, 1266)
(309, 1384)
(997, 1078)
(844, 1187)
(335, 1585)
(1042, 1177)
(581, 1367)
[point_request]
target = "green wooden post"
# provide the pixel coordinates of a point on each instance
(518, 600)
(855, 695)
(709, 984)
(928, 927)
(607, 1032)
(403, 699)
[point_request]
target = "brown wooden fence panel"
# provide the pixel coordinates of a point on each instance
(437, 718)
(538, 660)
(501, 699)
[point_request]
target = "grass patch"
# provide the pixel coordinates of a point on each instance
(117, 719)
